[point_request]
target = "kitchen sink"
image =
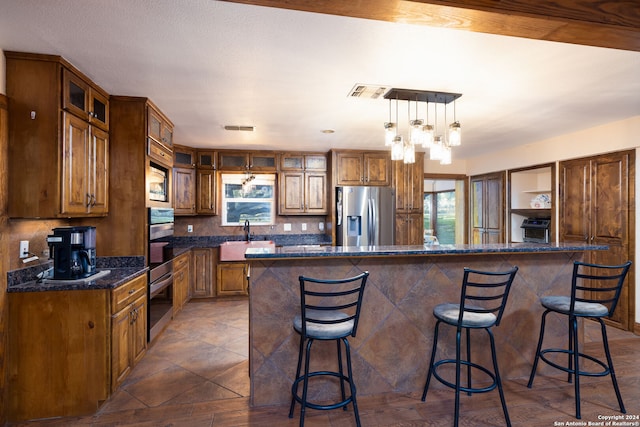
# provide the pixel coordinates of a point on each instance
(234, 250)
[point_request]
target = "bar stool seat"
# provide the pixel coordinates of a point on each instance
(329, 311)
(562, 304)
(483, 299)
(450, 313)
(595, 290)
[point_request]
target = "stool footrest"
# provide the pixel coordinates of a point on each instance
(465, 389)
(312, 405)
(606, 370)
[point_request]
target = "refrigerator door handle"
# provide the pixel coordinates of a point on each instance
(372, 223)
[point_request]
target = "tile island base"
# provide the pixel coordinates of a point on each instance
(391, 350)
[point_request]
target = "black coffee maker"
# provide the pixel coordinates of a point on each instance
(73, 250)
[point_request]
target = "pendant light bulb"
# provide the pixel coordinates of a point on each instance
(389, 133)
(397, 148)
(436, 149)
(409, 153)
(455, 134)
(427, 135)
(445, 158)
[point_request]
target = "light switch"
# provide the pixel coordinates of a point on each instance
(287, 227)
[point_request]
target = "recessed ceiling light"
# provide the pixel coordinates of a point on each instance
(327, 131)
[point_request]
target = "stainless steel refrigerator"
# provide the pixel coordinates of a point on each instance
(365, 216)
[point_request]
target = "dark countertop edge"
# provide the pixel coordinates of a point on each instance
(426, 250)
(117, 277)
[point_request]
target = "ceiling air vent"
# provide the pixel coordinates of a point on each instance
(241, 128)
(367, 91)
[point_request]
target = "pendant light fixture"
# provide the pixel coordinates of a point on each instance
(455, 131)
(421, 132)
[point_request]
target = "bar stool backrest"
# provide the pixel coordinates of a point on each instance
(485, 292)
(320, 297)
(597, 283)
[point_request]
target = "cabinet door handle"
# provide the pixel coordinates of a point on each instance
(88, 199)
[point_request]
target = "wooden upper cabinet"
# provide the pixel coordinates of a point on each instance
(408, 181)
(58, 128)
(207, 159)
(363, 168)
(184, 157)
(184, 187)
(303, 162)
(184, 180)
(247, 160)
(159, 128)
(303, 184)
(85, 100)
(206, 193)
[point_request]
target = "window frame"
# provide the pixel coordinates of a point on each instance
(237, 179)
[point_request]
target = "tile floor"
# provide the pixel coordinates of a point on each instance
(201, 356)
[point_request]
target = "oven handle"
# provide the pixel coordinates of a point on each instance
(160, 284)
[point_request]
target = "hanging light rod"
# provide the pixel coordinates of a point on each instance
(421, 95)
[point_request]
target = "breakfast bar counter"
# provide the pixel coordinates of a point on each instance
(391, 350)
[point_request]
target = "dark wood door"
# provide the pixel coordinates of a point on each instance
(487, 208)
(598, 206)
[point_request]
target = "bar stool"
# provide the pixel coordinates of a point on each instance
(483, 299)
(595, 290)
(329, 310)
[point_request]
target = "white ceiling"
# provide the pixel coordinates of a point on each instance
(209, 63)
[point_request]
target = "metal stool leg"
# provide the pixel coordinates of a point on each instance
(433, 358)
(537, 358)
(305, 385)
(341, 374)
(498, 379)
(294, 391)
(352, 385)
(468, 360)
(576, 367)
(605, 341)
(457, 408)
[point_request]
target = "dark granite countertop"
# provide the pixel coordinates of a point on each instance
(315, 251)
(116, 277)
(122, 270)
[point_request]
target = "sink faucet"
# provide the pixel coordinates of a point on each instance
(247, 231)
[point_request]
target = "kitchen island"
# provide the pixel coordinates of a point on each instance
(391, 350)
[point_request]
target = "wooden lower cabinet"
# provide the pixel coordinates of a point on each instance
(66, 351)
(203, 261)
(181, 280)
(232, 278)
(409, 229)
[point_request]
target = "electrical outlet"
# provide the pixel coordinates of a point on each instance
(24, 248)
(304, 226)
(189, 228)
(45, 253)
(321, 226)
(287, 227)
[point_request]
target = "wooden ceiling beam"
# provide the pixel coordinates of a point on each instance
(602, 23)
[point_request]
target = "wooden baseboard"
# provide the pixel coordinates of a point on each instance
(636, 328)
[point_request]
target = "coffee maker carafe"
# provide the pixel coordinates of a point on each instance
(73, 250)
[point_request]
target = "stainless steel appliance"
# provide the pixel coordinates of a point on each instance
(160, 292)
(365, 216)
(536, 230)
(73, 250)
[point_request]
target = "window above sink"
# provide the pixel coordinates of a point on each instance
(248, 197)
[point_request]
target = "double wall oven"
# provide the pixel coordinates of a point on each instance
(160, 289)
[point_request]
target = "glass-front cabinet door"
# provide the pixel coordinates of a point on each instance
(84, 101)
